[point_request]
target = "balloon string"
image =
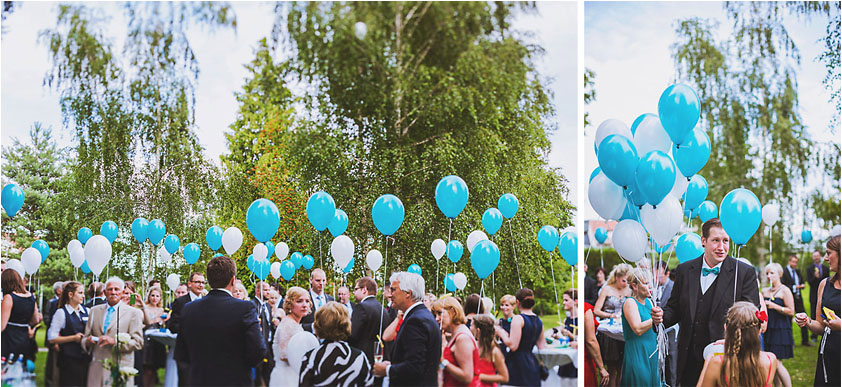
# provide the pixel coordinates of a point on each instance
(514, 252)
(555, 291)
(770, 244)
(601, 259)
(481, 288)
(736, 273)
(383, 302)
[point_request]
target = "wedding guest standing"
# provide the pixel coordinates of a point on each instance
(778, 336)
(593, 357)
(369, 318)
(815, 274)
(639, 367)
(461, 353)
(195, 286)
(51, 368)
(793, 280)
(334, 362)
(95, 296)
(296, 306)
(491, 365)
(317, 296)
(827, 324)
(526, 332)
(609, 305)
(570, 302)
(66, 330)
(19, 314)
(345, 299)
(154, 353)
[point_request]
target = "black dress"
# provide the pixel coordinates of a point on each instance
(569, 370)
(15, 338)
(828, 372)
(778, 336)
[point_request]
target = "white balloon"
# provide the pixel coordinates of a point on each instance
(460, 280)
(836, 230)
(360, 30)
(342, 250)
(630, 240)
(17, 266)
(173, 281)
(663, 221)
(260, 251)
(298, 345)
(77, 254)
(97, 253)
(609, 127)
(275, 270)
(680, 185)
(606, 198)
(438, 248)
(164, 256)
(770, 213)
(281, 250)
(31, 260)
(650, 135)
(232, 239)
(475, 237)
(374, 260)
(74, 244)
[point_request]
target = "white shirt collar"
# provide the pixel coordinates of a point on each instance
(709, 267)
(315, 295)
(412, 307)
(116, 306)
(71, 310)
(193, 296)
(224, 290)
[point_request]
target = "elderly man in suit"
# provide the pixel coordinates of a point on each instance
(112, 324)
(369, 318)
(219, 339)
(703, 292)
(417, 349)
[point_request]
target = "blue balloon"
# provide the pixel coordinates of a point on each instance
(631, 212)
(270, 247)
(85, 268)
(508, 205)
(740, 214)
(484, 258)
(806, 236)
(297, 259)
(697, 192)
(44, 249)
(659, 249)
(349, 266)
(568, 247)
(140, 230)
(413, 268)
(689, 246)
(192, 253)
(218, 255)
(12, 199)
(263, 219)
(634, 194)
(262, 268)
(455, 250)
(109, 230)
(618, 159)
(250, 262)
(639, 120)
(595, 172)
(84, 234)
(287, 269)
(339, 224)
(693, 153)
(492, 219)
(214, 237)
(601, 235)
(548, 237)
(655, 176)
(448, 282)
(157, 231)
(320, 210)
(387, 214)
(679, 110)
(309, 262)
(691, 213)
(707, 211)
(171, 243)
(451, 195)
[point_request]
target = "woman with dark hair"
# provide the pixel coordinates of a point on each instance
(492, 364)
(19, 314)
(67, 330)
(473, 306)
(827, 322)
(526, 331)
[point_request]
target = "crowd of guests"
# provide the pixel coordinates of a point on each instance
(701, 302)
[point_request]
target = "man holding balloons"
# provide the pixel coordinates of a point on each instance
(705, 288)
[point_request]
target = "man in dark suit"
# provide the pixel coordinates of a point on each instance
(417, 350)
(703, 292)
(591, 290)
(369, 318)
(95, 294)
(195, 286)
(318, 298)
(267, 331)
(793, 279)
(51, 370)
(219, 338)
(815, 274)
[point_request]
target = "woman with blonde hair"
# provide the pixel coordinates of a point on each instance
(461, 354)
(640, 368)
(296, 305)
(154, 353)
(778, 336)
(334, 362)
(610, 305)
(743, 363)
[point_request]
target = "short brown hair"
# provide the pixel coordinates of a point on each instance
(526, 298)
(11, 282)
(452, 305)
(572, 293)
(368, 284)
(711, 223)
(472, 304)
(220, 271)
(195, 273)
(331, 322)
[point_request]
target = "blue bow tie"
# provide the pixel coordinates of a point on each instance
(706, 271)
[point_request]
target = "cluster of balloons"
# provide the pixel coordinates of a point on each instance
(567, 242)
(454, 282)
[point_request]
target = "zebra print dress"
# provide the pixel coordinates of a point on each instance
(335, 363)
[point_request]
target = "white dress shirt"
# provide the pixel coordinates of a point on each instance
(795, 280)
(58, 321)
(318, 299)
(707, 280)
(194, 297)
(349, 307)
(114, 315)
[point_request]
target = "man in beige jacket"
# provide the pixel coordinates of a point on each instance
(107, 324)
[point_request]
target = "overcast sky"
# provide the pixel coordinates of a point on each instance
(221, 56)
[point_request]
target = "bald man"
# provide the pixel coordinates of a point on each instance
(318, 297)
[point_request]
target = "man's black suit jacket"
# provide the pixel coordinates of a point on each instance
(220, 340)
(177, 307)
(591, 290)
(788, 281)
(307, 321)
(417, 350)
(681, 306)
(94, 302)
(365, 325)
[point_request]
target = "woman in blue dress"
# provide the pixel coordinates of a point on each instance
(526, 331)
(639, 367)
(781, 307)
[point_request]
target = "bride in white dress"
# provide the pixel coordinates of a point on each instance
(296, 305)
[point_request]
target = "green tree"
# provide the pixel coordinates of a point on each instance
(590, 91)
